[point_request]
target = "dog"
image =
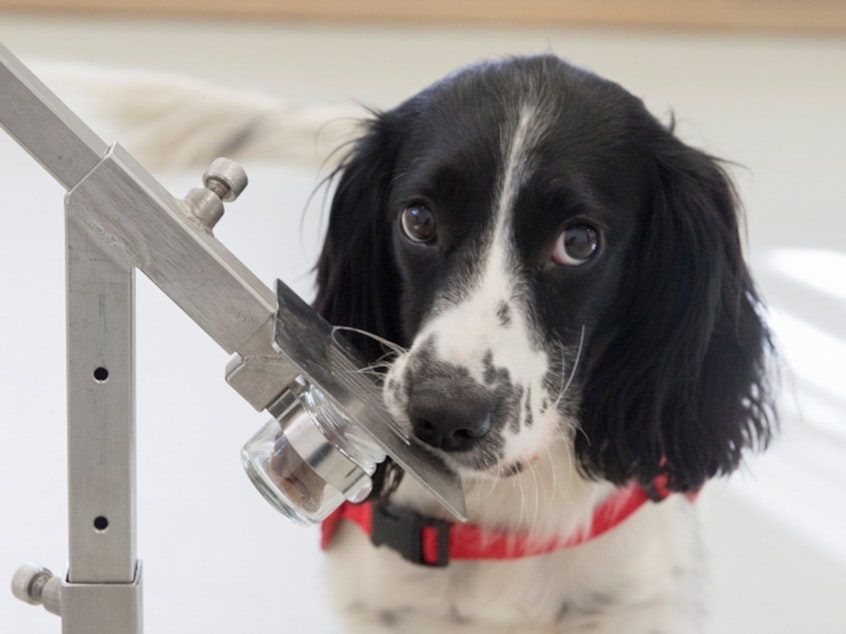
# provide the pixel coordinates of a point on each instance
(566, 281)
(573, 329)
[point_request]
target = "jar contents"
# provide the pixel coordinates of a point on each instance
(311, 459)
(292, 475)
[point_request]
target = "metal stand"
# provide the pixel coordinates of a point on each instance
(119, 218)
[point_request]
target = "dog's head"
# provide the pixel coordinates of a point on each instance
(559, 267)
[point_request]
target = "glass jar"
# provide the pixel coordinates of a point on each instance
(309, 457)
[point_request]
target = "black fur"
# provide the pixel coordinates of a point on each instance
(357, 282)
(674, 376)
(684, 379)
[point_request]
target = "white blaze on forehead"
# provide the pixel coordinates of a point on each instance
(465, 332)
(517, 148)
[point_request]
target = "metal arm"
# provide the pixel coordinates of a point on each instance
(119, 218)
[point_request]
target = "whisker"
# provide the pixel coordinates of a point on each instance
(373, 372)
(475, 492)
(581, 431)
(395, 347)
(573, 370)
(569, 382)
(536, 491)
(491, 486)
(376, 368)
(521, 517)
(559, 361)
(528, 485)
(548, 448)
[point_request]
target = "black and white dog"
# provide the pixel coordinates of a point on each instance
(566, 280)
(574, 327)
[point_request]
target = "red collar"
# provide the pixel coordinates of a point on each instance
(434, 542)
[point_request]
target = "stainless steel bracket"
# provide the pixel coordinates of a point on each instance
(118, 218)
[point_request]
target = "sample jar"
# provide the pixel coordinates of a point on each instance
(309, 457)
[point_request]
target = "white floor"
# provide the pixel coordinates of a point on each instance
(216, 557)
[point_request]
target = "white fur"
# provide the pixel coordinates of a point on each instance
(640, 578)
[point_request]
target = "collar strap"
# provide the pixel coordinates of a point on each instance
(433, 542)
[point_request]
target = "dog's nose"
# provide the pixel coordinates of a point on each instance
(449, 419)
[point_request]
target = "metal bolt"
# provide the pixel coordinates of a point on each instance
(223, 181)
(226, 178)
(36, 585)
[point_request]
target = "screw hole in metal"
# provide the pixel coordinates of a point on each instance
(101, 523)
(101, 375)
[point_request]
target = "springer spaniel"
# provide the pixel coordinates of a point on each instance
(564, 281)
(573, 329)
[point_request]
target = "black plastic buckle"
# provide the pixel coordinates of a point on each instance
(402, 530)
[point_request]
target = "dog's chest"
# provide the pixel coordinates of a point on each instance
(638, 577)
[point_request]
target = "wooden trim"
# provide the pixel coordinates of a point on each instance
(805, 15)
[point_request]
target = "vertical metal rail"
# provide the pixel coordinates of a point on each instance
(102, 591)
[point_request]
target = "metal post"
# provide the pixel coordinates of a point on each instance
(102, 590)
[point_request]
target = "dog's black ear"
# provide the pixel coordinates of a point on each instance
(682, 386)
(357, 283)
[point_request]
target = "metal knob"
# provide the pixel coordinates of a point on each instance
(223, 181)
(36, 585)
(226, 178)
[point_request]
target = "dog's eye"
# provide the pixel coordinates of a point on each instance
(418, 223)
(576, 245)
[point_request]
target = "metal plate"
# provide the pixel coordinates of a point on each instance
(334, 367)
